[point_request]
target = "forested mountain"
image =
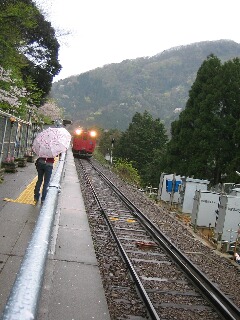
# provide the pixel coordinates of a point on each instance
(111, 95)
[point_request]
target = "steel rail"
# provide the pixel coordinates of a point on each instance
(224, 307)
(150, 308)
(25, 293)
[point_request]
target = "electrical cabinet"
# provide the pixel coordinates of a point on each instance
(228, 218)
(187, 192)
(205, 208)
(166, 186)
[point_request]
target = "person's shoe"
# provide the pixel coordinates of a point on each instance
(35, 200)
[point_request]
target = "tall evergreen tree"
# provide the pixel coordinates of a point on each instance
(138, 142)
(204, 138)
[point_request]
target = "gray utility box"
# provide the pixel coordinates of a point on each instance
(229, 218)
(163, 193)
(205, 208)
(235, 192)
(187, 193)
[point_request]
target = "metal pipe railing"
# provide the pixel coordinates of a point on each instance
(25, 293)
(9, 115)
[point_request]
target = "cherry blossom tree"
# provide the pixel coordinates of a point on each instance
(50, 111)
(14, 98)
(11, 95)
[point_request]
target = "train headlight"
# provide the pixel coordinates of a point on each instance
(78, 131)
(93, 134)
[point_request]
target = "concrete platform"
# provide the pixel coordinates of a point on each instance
(72, 286)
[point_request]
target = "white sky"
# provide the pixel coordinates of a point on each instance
(110, 31)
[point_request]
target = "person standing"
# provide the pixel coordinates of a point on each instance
(44, 168)
(47, 145)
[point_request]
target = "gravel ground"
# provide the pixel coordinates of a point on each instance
(219, 268)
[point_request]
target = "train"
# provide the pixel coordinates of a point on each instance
(83, 142)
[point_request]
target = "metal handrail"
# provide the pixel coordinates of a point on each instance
(25, 293)
(9, 115)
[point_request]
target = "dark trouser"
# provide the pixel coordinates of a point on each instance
(44, 171)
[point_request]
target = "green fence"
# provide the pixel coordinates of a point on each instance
(16, 137)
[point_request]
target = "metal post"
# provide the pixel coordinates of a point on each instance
(17, 143)
(3, 139)
(20, 139)
(12, 120)
(111, 151)
(28, 125)
(209, 232)
(173, 188)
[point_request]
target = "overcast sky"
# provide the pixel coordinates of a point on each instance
(110, 31)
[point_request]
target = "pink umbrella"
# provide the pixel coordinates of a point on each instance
(51, 142)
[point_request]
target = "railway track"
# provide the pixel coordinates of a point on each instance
(167, 284)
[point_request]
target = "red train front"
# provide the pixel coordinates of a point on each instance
(83, 143)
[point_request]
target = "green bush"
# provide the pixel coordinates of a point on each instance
(99, 157)
(126, 171)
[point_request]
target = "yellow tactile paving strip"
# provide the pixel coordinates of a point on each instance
(27, 196)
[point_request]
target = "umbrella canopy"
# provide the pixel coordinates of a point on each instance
(51, 142)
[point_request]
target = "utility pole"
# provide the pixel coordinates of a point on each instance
(173, 189)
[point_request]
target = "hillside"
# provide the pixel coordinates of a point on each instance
(111, 95)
